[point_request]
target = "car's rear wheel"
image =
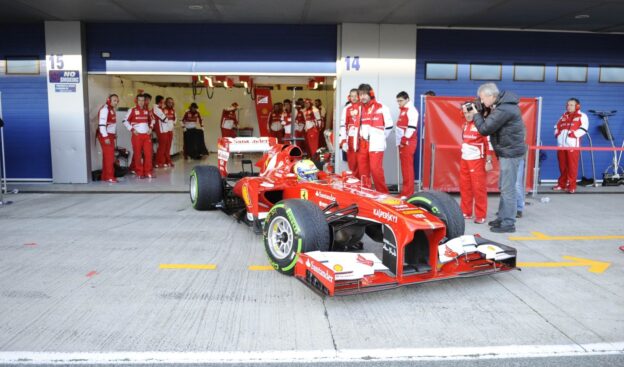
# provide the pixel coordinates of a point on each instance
(444, 207)
(293, 227)
(205, 187)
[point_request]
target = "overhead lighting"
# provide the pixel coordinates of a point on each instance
(196, 7)
(581, 16)
(105, 54)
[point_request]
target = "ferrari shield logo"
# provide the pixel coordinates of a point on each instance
(304, 194)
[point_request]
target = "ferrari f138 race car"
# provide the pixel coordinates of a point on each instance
(313, 223)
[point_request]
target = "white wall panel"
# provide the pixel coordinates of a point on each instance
(66, 102)
(387, 61)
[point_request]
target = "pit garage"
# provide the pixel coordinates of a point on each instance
(252, 255)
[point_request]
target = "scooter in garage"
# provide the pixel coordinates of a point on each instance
(617, 177)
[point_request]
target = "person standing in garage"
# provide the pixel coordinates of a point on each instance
(572, 125)
(194, 145)
(274, 122)
(323, 112)
(299, 124)
(160, 127)
(106, 135)
(139, 122)
(171, 121)
(472, 172)
(406, 134)
(312, 126)
(229, 121)
(375, 126)
(286, 120)
(349, 130)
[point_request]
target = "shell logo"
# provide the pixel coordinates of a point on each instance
(391, 201)
(338, 267)
(246, 195)
(264, 111)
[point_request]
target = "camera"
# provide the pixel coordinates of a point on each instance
(468, 106)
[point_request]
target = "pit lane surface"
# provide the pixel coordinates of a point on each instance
(80, 273)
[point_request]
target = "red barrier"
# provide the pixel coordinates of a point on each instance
(443, 120)
(544, 147)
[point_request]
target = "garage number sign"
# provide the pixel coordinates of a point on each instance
(352, 63)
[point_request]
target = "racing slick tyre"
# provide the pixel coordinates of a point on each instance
(444, 207)
(206, 187)
(292, 227)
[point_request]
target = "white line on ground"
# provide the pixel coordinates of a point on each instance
(315, 356)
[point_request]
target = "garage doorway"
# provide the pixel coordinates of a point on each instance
(212, 94)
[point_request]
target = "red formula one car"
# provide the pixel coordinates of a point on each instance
(313, 223)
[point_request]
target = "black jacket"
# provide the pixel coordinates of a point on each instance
(505, 127)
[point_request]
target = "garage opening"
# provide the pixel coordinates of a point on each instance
(214, 95)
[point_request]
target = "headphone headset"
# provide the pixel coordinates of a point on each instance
(577, 107)
(372, 93)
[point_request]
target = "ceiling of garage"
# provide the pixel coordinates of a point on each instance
(568, 15)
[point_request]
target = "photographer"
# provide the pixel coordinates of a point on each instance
(503, 123)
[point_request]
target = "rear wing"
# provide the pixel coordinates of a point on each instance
(227, 146)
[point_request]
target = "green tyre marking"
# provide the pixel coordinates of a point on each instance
(292, 264)
(434, 209)
(418, 198)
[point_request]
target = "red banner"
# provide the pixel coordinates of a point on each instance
(443, 120)
(263, 109)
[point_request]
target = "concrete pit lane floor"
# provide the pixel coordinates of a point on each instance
(83, 279)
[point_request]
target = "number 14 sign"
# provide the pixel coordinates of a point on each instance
(352, 63)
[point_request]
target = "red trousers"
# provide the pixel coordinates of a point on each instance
(142, 152)
(472, 187)
(162, 151)
(312, 141)
(352, 161)
(406, 156)
(568, 166)
(168, 148)
(108, 157)
(371, 164)
(228, 133)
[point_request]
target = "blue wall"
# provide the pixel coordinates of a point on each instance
(208, 47)
(25, 105)
(551, 49)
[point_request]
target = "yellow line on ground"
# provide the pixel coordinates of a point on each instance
(189, 266)
(595, 266)
(260, 267)
(538, 236)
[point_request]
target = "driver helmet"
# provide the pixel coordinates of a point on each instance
(306, 170)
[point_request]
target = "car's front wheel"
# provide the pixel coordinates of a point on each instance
(293, 227)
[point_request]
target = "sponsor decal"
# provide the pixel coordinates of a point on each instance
(325, 196)
(304, 194)
(338, 267)
(389, 248)
(223, 155)
(391, 201)
(293, 221)
(246, 198)
(263, 100)
(319, 271)
(385, 215)
(412, 211)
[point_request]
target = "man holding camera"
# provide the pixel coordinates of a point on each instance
(499, 117)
